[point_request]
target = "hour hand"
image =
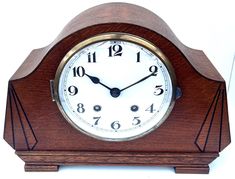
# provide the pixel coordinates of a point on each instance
(114, 92)
(96, 80)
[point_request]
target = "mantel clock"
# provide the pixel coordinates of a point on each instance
(117, 87)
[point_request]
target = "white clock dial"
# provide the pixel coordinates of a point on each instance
(115, 89)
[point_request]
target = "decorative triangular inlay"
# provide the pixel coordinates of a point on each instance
(19, 124)
(211, 131)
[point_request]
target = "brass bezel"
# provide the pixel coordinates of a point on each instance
(116, 36)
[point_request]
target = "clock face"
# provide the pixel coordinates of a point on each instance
(115, 87)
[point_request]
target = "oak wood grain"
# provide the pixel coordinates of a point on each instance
(121, 13)
(197, 126)
(51, 160)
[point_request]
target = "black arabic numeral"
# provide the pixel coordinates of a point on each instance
(96, 120)
(153, 69)
(138, 57)
(80, 108)
(117, 49)
(136, 121)
(91, 57)
(73, 90)
(115, 125)
(78, 71)
(158, 90)
(151, 108)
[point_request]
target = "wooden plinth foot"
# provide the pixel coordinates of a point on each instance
(41, 168)
(51, 160)
(192, 169)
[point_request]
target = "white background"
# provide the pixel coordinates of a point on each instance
(208, 25)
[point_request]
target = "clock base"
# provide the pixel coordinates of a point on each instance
(199, 169)
(41, 168)
(182, 162)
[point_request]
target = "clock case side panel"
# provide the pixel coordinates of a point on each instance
(18, 131)
(214, 131)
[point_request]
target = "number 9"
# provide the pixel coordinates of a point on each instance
(73, 90)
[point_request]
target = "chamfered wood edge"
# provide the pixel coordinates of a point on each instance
(31, 63)
(127, 13)
(182, 162)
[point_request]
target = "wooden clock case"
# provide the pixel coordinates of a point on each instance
(191, 138)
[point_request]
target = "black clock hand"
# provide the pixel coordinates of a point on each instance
(152, 74)
(114, 92)
(96, 80)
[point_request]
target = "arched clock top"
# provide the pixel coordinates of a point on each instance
(120, 14)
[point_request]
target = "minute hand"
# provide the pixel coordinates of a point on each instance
(152, 74)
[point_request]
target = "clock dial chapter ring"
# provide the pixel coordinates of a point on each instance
(74, 76)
